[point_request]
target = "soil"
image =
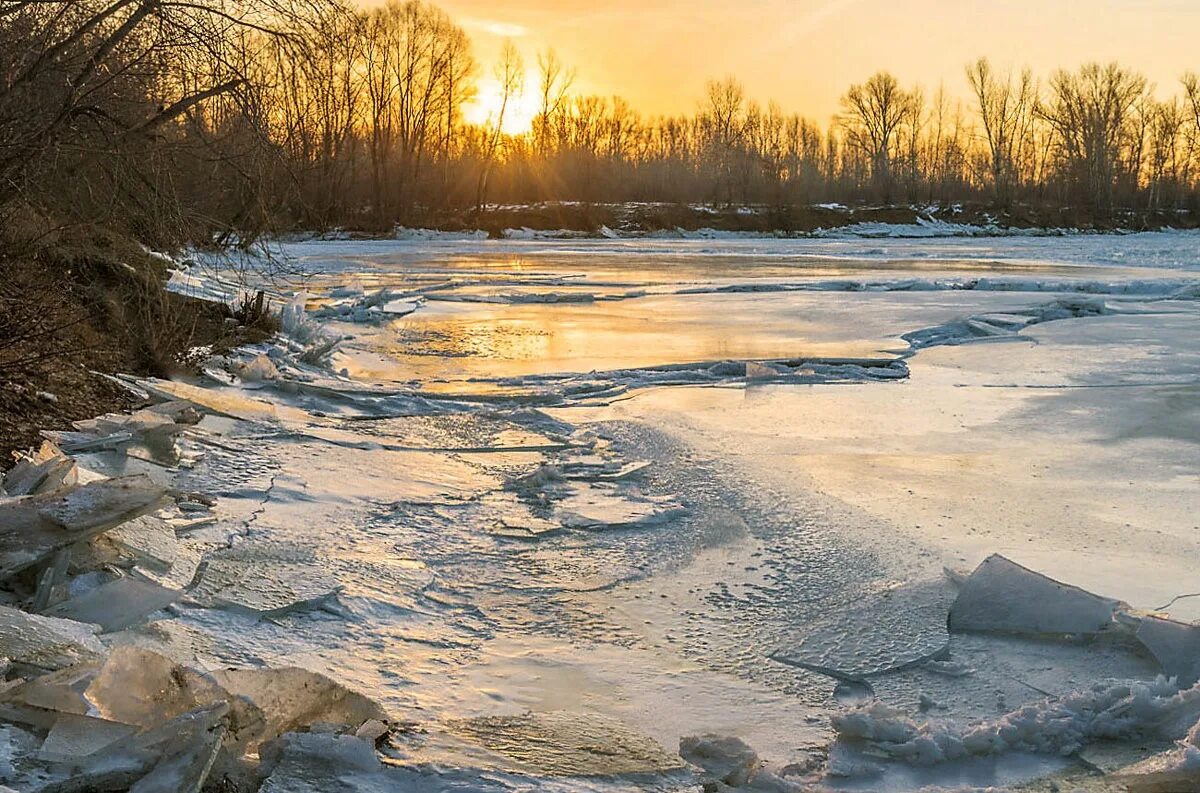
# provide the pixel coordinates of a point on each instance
(66, 321)
(797, 218)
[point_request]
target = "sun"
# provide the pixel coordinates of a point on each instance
(522, 108)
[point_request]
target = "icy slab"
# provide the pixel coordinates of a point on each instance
(324, 763)
(290, 699)
(597, 506)
(266, 581)
(61, 691)
(43, 471)
(560, 743)
(148, 541)
(46, 642)
(33, 528)
(1001, 595)
(896, 629)
(1175, 645)
(985, 326)
(187, 760)
(225, 402)
(117, 604)
(173, 757)
(140, 687)
(74, 737)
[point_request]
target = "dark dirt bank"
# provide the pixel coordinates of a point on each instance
(651, 217)
(74, 306)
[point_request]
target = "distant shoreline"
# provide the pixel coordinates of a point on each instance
(638, 219)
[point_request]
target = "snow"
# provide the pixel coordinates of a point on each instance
(570, 504)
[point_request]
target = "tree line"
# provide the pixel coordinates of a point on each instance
(183, 119)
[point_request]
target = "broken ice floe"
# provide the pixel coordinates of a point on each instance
(46, 642)
(992, 326)
(1175, 645)
(264, 580)
(601, 388)
(142, 722)
(898, 628)
(32, 528)
(1003, 596)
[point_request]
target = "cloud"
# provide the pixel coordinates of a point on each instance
(494, 27)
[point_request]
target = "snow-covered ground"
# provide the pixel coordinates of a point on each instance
(651, 489)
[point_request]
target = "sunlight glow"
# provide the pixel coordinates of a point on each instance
(485, 108)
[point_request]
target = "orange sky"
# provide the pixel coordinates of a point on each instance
(803, 53)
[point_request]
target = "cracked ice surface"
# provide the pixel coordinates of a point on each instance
(602, 496)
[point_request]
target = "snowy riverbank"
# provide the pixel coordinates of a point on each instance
(561, 508)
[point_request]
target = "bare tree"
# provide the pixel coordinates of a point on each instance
(1006, 111)
(510, 75)
(1090, 113)
(872, 113)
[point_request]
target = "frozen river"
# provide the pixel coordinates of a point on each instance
(581, 499)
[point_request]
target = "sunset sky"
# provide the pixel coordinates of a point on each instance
(803, 53)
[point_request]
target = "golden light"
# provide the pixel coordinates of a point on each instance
(484, 109)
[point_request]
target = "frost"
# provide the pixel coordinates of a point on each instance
(1001, 595)
(1061, 726)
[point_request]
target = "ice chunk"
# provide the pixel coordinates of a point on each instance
(148, 540)
(32, 528)
(724, 758)
(74, 737)
(597, 506)
(1176, 646)
(1001, 595)
(899, 628)
(400, 307)
(324, 763)
(290, 699)
(559, 743)
(61, 691)
(137, 686)
(117, 604)
(43, 471)
(46, 642)
(266, 581)
(174, 757)
(257, 370)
